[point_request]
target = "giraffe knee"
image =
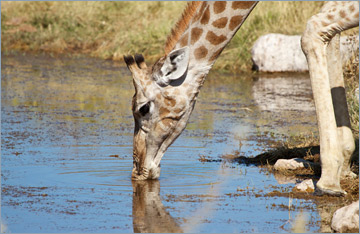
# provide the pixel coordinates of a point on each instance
(348, 148)
(310, 39)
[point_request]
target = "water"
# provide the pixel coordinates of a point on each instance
(66, 152)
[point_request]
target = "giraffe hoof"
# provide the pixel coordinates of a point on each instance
(322, 192)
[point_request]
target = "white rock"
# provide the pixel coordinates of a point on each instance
(283, 53)
(346, 219)
(291, 164)
(284, 179)
(306, 186)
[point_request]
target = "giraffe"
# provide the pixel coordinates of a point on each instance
(165, 94)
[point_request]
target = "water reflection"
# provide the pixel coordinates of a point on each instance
(149, 214)
(283, 93)
(67, 128)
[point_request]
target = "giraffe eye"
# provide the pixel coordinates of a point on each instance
(145, 109)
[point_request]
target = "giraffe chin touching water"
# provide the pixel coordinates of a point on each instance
(165, 94)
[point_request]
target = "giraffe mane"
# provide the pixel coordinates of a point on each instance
(181, 25)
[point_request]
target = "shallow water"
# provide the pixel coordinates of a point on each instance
(66, 152)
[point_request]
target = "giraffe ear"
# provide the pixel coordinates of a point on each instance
(174, 67)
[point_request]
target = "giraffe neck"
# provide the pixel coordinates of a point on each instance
(210, 29)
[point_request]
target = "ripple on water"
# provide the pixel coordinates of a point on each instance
(66, 154)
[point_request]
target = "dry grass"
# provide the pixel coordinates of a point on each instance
(103, 29)
(351, 76)
(112, 29)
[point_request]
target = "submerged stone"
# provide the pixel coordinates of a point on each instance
(305, 186)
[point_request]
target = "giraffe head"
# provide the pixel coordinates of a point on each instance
(160, 108)
(165, 94)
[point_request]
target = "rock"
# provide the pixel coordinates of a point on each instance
(284, 179)
(292, 164)
(283, 53)
(305, 186)
(346, 219)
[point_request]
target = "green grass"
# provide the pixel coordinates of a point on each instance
(111, 29)
(102, 29)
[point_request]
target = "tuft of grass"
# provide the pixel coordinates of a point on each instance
(102, 29)
(111, 29)
(351, 78)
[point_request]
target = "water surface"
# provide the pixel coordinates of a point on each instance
(66, 152)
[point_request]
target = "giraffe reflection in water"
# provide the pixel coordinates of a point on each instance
(149, 214)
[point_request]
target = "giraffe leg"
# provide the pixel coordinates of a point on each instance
(328, 87)
(336, 141)
(330, 155)
(344, 133)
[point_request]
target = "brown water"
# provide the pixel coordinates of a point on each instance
(66, 152)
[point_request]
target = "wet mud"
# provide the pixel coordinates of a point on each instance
(66, 153)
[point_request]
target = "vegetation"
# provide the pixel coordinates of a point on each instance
(351, 76)
(110, 29)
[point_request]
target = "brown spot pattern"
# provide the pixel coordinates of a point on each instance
(351, 8)
(177, 110)
(170, 101)
(164, 112)
(342, 14)
(220, 23)
(357, 15)
(235, 21)
(215, 39)
(200, 52)
(167, 122)
(219, 7)
(241, 4)
(206, 16)
(181, 25)
(184, 40)
(324, 24)
(330, 17)
(195, 35)
(201, 11)
(216, 54)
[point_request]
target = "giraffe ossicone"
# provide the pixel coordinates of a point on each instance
(165, 94)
